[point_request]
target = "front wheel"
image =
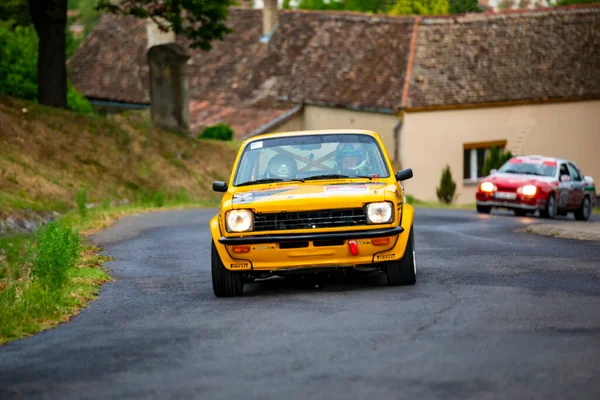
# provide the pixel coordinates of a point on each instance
(550, 210)
(484, 209)
(585, 210)
(225, 283)
(404, 271)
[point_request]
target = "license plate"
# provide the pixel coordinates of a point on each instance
(505, 195)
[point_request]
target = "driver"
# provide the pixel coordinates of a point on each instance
(282, 166)
(351, 159)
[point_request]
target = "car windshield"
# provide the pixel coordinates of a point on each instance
(529, 167)
(310, 157)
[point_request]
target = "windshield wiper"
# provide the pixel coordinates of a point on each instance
(336, 176)
(268, 180)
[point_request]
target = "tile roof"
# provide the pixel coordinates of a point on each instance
(551, 54)
(358, 60)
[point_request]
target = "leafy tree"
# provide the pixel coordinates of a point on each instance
(495, 159)
(447, 188)
(464, 6)
(15, 12)
(420, 7)
(570, 2)
(202, 21)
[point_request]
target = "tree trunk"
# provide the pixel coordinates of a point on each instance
(50, 20)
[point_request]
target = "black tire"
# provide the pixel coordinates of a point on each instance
(484, 209)
(549, 210)
(225, 283)
(404, 271)
(520, 213)
(585, 210)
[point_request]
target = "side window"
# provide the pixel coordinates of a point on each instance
(574, 172)
(564, 170)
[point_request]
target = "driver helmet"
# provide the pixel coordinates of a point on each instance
(350, 157)
(282, 166)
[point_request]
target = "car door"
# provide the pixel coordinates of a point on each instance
(564, 186)
(577, 187)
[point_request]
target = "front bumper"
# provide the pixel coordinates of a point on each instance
(368, 234)
(270, 253)
(521, 202)
(509, 204)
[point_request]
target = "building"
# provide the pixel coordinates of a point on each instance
(439, 90)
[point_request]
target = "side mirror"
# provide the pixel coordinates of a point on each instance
(493, 171)
(404, 174)
(565, 178)
(219, 186)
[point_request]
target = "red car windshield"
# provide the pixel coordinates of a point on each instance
(540, 168)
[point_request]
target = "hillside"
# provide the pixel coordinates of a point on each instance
(47, 154)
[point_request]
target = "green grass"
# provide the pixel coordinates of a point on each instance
(28, 302)
(434, 204)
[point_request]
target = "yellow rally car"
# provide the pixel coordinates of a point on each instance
(303, 202)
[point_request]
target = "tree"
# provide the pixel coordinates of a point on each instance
(570, 2)
(464, 6)
(447, 188)
(420, 7)
(202, 21)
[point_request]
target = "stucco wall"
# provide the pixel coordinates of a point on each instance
(337, 118)
(296, 123)
(433, 139)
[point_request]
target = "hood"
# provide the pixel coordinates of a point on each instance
(514, 181)
(309, 196)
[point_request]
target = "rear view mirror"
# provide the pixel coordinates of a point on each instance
(219, 186)
(404, 174)
(565, 178)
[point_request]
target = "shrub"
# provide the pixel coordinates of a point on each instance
(159, 199)
(105, 203)
(18, 68)
(81, 199)
(218, 132)
(55, 253)
(495, 159)
(445, 192)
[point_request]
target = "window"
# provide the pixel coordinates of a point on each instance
(575, 176)
(474, 155)
(564, 170)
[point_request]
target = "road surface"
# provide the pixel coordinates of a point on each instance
(496, 313)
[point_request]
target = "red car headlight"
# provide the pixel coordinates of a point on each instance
(487, 187)
(527, 190)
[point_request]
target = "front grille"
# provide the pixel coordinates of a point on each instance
(309, 219)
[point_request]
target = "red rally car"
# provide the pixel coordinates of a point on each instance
(527, 184)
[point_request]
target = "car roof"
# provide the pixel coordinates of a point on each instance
(535, 157)
(313, 132)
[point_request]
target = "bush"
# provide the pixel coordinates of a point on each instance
(495, 159)
(159, 199)
(445, 192)
(218, 132)
(81, 200)
(56, 252)
(18, 68)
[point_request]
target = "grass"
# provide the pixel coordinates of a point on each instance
(433, 204)
(27, 306)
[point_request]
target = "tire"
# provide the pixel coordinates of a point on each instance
(404, 271)
(585, 210)
(520, 213)
(225, 283)
(484, 209)
(549, 210)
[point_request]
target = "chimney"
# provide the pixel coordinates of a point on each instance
(270, 18)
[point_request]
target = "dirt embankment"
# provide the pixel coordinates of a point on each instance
(47, 154)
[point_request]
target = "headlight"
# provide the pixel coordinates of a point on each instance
(379, 213)
(528, 190)
(239, 220)
(487, 187)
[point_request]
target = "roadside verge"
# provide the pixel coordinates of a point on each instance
(581, 230)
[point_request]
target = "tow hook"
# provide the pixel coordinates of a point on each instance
(353, 247)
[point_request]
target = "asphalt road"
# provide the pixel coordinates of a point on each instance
(495, 314)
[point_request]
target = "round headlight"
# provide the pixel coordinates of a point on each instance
(239, 220)
(379, 213)
(529, 190)
(487, 187)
